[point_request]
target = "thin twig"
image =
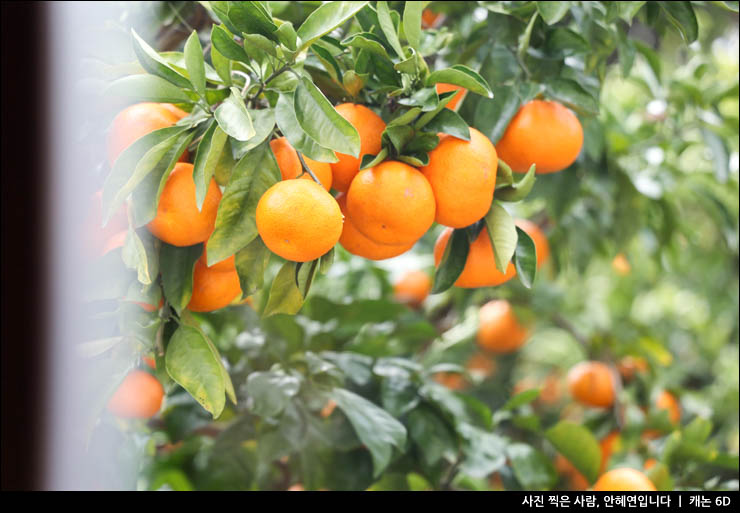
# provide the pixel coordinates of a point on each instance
(274, 75)
(306, 169)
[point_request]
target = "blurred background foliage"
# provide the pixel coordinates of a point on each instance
(643, 230)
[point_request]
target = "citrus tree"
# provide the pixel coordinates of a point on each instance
(559, 178)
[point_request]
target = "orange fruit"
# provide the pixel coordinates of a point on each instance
(148, 306)
(544, 133)
(621, 265)
(608, 446)
(629, 366)
(499, 330)
(443, 88)
(551, 391)
(391, 203)
(462, 175)
(576, 480)
(178, 220)
(298, 487)
(370, 126)
(431, 19)
(97, 239)
(481, 365)
(650, 463)
(177, 111)
(542, 247)
(480, 267)
(328, 408)
(213, 289)
(452, 380)
(136, 121)
(138, 396)
(290, 165)
(412, 288)
(624, 480)
(226, 265)
(357, 244)
(150, 362)
(667, 401)
(592, 384)
(298, 220)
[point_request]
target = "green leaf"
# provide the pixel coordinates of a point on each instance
(153, 63)
(326, 261)
(285, 296)
(226, 46)
(352, 82)
(271, 392)
(626, 53)
(532, 469)
(251, 18)
(236, 227)
(524, 37)
(251, 263)
(414, 66)
(297, 137)
(462, 76)
(449, 122)
(571, 93)
(375, 428)
(660, 475)
(263, 121)
(503, 235)
(330, 64)
(134, 164)
(553, 12)
(140, 257)
(373, 160)
(222, 65)
(177, 264)
(195, 63)
(431, 434)
(521, 399)
(287, 35)
(628, 10)
(389, 28)
(304, 275)
(233, 117)
(412, 22)
(318, 118)
(148, 88)
(453, 261)
(146, 194)
(484, 451)
(517, 191)
(577, 445)
(258, 47)
(406, 118)
(367, 41)
(206, 158)
(681, 15)
(399, 135)
(194, 364)
(525, 258)
(325, 19)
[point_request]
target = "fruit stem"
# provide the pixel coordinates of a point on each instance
(306, 169)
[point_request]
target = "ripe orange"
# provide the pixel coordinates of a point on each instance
(213, 289)
(97, 239)
(592, 384)
(370, 126)
(391, 203)
(177, 111)
(290, 165)
(480, 267)
(463, 176)
(650, 463)
(138, 396)
(298, 220)
(150, 362)
(226, 265)
(629, 366)
(667, 401)
(481, 365)
(412, 288)
(357, 244)
(178, 220)
(455, 101)
(542, 247)
(431, 19)
(499, 330)
(576, 480)
(624, 480)
(544, 133)
(451, 380)
(136, 121)
(328, 408)
(608, 445)
(621, 265)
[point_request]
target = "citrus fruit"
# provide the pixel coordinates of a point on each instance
(629, 366)
(667, 401)
(480, 267)
(136, 121)
(370, 127)
(138, 396)
(608, 445)
(621, 265)
(542, 247)
(451, 380)
(463, 176)
(227, 265)
(624, 480)
(412, 288)
(499, 330)
(290, 165)
(575, 480)
(213, 289)
(357, 244)
(431, 19)
(480, 366)
(391, 203)
(544, 133)
(298, 220)
(453, 103)
(178, 220)
(592, 384)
